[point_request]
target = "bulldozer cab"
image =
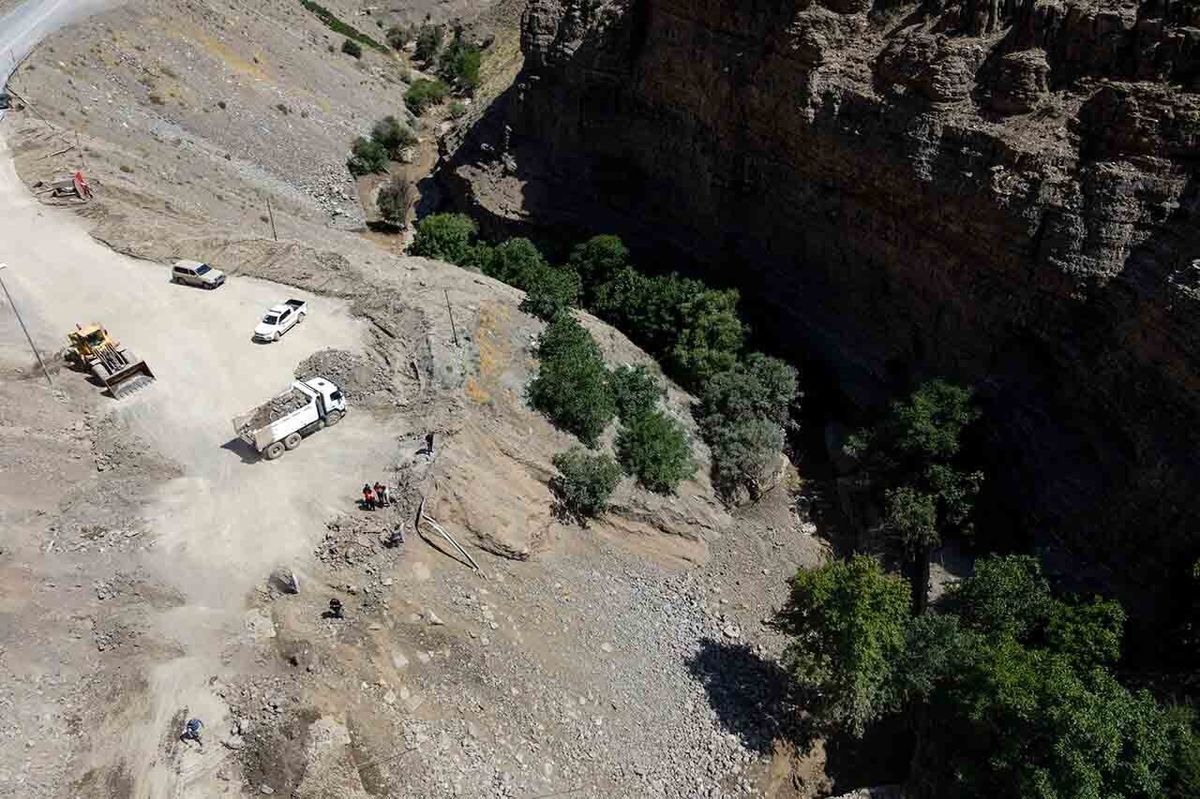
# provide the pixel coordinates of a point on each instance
(89, 339)
(118, 370)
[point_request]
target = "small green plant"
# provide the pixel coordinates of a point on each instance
(655, 449)
(446, 237)
(423, 94)
(393, 135)
(571, 387)
(352, 48)
(367, 157)
(550, 291)
(636, 390)
(394, 199)
(585, 482)
(458, 109)
(429, 42)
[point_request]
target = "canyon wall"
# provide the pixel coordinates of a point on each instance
(999, 191)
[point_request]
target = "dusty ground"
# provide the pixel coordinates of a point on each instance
(140, 540)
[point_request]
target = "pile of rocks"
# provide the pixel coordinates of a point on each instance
(360, 378)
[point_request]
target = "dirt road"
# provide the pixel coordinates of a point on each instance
(221, 527)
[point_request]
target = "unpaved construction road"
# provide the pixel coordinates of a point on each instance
(221, 527)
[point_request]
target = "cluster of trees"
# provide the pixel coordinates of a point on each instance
(693, 330)
(371, 154)
(456, 64)
(1010, 689)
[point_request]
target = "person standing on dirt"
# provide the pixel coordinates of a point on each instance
(429, 444)
(368, 497)
(381, 495)
(191, 731)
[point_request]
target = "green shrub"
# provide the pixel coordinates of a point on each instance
(571, 387)
(393, 135)
(516, 262)
(478, 256)
(459, 63)
(598, 261)
(743, 414)
(423, 94)
(446, 237)
(398, 36)
(585, 482)
(352, 48)
(550, 291)
(636, 391)
(655, 448)
(429, 42)
(394, 199)
(710, 337)
(366, 157)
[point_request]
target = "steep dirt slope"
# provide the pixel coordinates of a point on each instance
(999, 192)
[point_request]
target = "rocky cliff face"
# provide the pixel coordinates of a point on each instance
(1001, 191)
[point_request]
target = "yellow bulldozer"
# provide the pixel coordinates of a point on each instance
(91, 348)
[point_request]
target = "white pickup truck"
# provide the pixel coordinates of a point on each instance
(280, 423)
(280, 319)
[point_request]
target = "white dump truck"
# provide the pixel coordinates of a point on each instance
(280, 423)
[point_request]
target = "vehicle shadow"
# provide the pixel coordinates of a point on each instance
(242, 450)
(752, 697)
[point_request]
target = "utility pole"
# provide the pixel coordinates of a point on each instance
(21, 321)
(271, 216)
(449, 310)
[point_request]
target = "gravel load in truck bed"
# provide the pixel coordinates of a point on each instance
(275, 408)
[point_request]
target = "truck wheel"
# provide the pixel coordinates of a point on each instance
(292, 441)
(333, 418)
(274, 451)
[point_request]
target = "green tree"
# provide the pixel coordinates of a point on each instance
(598, 260)
(429, 42)
(710, 337)
(914, 456)
(1006, 596)
(550, 291)
(743, 415)
(1011, 720)
(636, 390)
(423, 94)
(394, 199)
(848, 624)
(655, 448)
(585, 482)
(446, 237)
(393, 135)
(366, 157)
(517, 262)
(352, 48)
(571, 387)
(460, 62)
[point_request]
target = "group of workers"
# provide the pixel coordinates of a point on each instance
(376, 496)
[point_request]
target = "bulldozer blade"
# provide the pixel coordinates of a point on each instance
(128, 379)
